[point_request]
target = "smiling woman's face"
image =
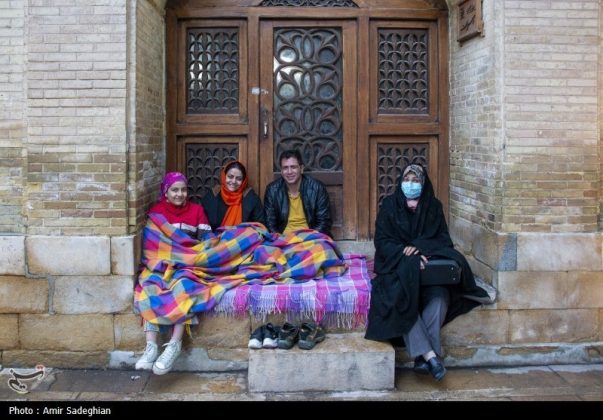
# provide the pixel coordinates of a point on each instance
(177, 193)
(234, 179)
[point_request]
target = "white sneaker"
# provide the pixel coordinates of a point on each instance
(148, 357)
(165, 362)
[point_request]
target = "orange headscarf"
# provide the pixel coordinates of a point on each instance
(232, 199)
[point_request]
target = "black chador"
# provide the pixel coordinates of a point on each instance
(395, 289)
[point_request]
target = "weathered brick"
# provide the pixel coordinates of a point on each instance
(129, 334)
(93, 294)
(221, 332)
(66, 332)
(559, 252)
(23, 295)
(545, 326)
(125, 254)
(56, 359)
(9, 333)
(12, 255)
(69, 255)
(477, 327)
(539, 290)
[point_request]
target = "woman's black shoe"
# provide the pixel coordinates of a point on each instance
(436, 368)
(421, 367)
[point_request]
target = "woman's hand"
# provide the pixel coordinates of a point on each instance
(423, 262)
(410, 250)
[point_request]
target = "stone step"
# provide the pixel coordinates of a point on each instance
(342, 362)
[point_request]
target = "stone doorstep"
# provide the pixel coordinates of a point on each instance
(342, 362)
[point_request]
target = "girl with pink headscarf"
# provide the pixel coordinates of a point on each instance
(190, 217)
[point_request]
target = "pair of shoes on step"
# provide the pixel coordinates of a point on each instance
(265, 336)
(433, 366)
(306, 336)
(159, 364)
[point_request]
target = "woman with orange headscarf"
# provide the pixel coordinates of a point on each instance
(233, 202)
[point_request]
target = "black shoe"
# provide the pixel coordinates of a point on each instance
(257, 338)
(288, 336)
(421, 367)
(270, 336)
(436, 368)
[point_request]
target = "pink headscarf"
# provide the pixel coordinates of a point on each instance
(168, 180)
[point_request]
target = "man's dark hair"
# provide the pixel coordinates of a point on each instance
(288, 154)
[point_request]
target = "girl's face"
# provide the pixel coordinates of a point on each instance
(234, 179)
(177, 193)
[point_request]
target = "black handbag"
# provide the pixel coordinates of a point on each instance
(440, 272)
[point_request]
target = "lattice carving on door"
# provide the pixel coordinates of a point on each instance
(403, 71)
(308, 3)
(308, 96)
(212, 71)
(392, 159)
(203, 165)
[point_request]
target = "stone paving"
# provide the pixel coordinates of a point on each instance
(536, 383)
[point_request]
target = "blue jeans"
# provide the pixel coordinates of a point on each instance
(165, 328)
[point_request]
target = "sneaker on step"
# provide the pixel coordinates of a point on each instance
(149, 356)
(270, 336)
(256, 339)
(165, 362)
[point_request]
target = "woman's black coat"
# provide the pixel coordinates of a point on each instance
(395, 290)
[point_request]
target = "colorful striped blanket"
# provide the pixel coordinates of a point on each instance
(341, 301)
(181, 276)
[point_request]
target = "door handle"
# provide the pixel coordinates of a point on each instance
(264, 122)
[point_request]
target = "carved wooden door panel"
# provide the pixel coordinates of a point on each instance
(308, 103)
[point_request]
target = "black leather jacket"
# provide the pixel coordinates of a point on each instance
(315, 200)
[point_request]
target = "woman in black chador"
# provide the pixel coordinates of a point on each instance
(411, 228)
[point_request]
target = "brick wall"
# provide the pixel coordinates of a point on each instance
(551, 135)
(12, 115)
(600, 123)
(476, 132)
(76, 96)
(147, 148)
(524, 118)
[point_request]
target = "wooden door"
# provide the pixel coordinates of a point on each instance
(359, 87)
(308, 79)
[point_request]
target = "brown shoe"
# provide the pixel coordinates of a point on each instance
(309, 335)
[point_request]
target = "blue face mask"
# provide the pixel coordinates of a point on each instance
(411, 190)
